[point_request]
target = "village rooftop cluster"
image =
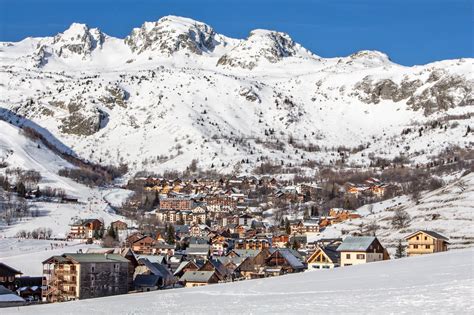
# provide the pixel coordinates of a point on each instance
(206, 232)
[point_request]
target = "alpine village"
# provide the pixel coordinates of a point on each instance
(206, 231)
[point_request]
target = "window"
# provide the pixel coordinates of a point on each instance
(415, 246)
(417, 238)
(348, 256)
(426, 238)
(428, 246)
(360, 256)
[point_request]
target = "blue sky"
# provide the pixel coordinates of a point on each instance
(409, 31)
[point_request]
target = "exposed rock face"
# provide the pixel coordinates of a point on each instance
(250, 95)
(78, 39)
(115, 96)
(171, 34)
(369, 58)
(261, 44)
(83, 121)
(448, 92)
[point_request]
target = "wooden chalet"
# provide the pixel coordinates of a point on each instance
(426, 242)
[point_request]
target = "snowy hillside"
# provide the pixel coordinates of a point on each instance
(19, 151)
(27, 255)
(175, 89)
(448, 211)
(439, 283)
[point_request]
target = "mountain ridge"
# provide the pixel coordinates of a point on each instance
(187, 92)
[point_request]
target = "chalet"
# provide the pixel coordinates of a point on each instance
(119, 225)
(82, 276)
(198, 278)
(144, 245)
(150, 276)
(162, 248)
(252, 243)
(29, 288)
(85, 228)
(356, 250)
(8, 276)
(324, 258)
(216, 265)
(311, 226)
(340, 215)
(199, 214)
(253, 265)
(282, 261)
(132, 238)
(185, 266)
(297, 227)
(426, 242)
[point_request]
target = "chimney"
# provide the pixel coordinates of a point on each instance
(106, 255)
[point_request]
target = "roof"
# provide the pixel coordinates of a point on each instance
(332, 253)
(197, 276)
(430, 233)
(7, 270)
(198, 249)
(356, 243)
(290, 258)
(8, 296)
(159, 259)
(90, 258)
(146, 280)
(247, 252)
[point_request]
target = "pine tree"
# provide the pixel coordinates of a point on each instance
(111, 232)
(170, 234)
(400, 250)
(287, 226)
(21, 189)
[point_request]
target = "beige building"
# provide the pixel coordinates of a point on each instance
(324, 258)
(356, 250)
(426, 242)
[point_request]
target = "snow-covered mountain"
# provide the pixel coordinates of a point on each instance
(175, 90)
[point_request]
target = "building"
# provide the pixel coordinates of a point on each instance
(426, 242)
(356, 250)
(198, 278)
(83, 276)
(176, 203)
(282, 261)
(324, 258)
(85, 228)
(8, 276)
(144, 245)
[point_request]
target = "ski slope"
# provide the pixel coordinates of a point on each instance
(433, 284)
(27, 255)
(19, 151)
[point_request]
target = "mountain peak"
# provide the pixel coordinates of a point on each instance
(78, 39)
(171, 34)
(268, 45)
